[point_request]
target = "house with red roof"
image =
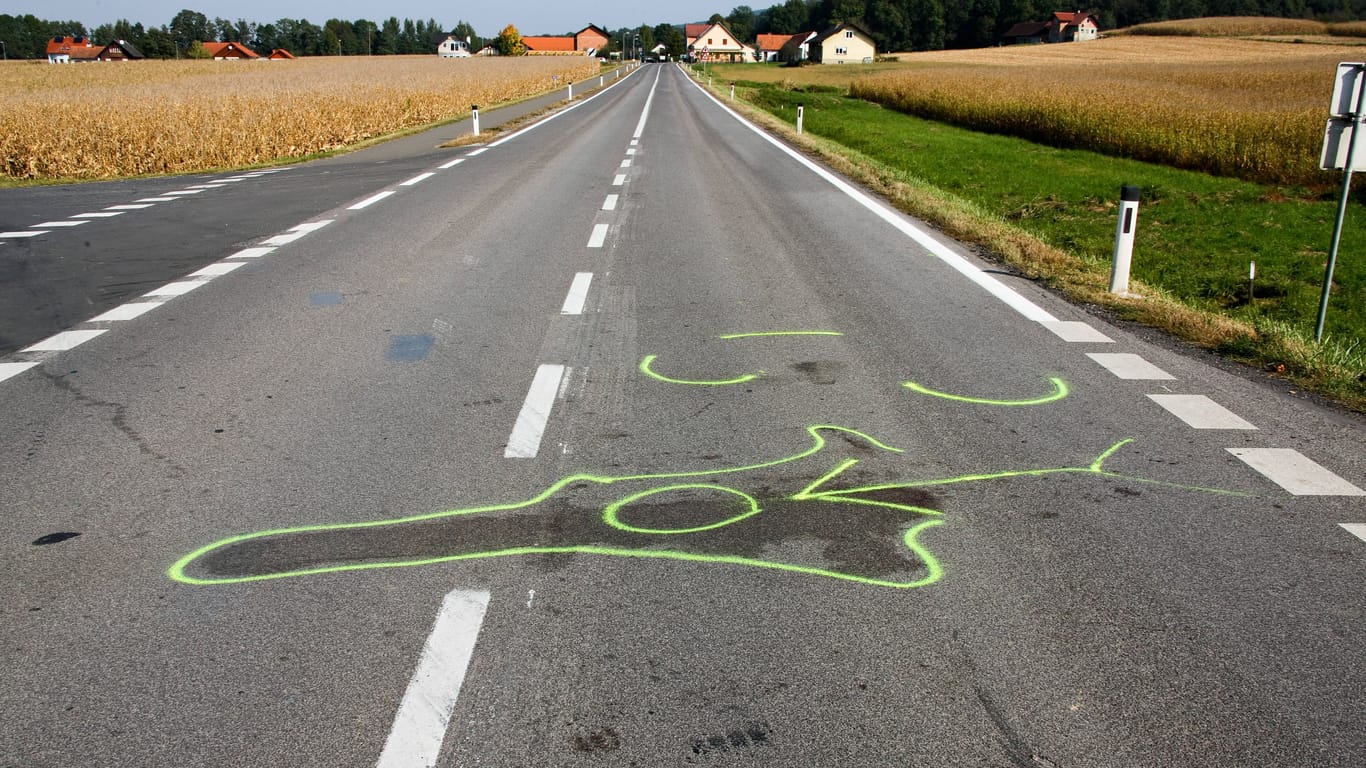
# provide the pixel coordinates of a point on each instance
(64, 49)
(715, 42)
(230, 52)
(790, 48)
(1063, 27)
(587, 41)
(280, 54)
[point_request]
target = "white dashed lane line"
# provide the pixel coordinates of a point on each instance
(599, 236)
(98, 215)
(75, 223)
(451, 164)
(63, 341)
(295, 233)
(578, 294)
(525, 440)
(219, 269)
(371, 200)
(251, 253)
(130, 207)
(1292, 471)
(610, 204)
(178, 288)
(1200, 412)
(619, 180)
(1356, 529)
(626, 163)
(1130, 366)
(129, 311)
(25, 233)
(1076, 332)
(418, 179)
(8, 370)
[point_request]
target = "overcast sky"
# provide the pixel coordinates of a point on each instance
(532, 17)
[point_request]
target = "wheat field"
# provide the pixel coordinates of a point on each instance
(105, 120)
(1232, 107)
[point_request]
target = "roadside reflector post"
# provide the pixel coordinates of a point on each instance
(800, 110)
(732, 91)
(571, 92)
(474, 111)
(1251, 282)
(1124, 240)
(601, 79)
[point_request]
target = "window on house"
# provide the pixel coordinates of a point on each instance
(841, 51)
(849, 33)
(709, 41)
(725, 41)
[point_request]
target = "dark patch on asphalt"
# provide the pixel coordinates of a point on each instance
(744, 737)
(410, 349)
(1122, 491)
(603, 739)
(849, 538)
(54, 538)
(820, 371)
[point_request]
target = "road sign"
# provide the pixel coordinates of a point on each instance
(1347, 89)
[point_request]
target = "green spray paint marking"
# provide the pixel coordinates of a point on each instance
(646, 365)
(814, 492)
(1059, 392)
(650, 359)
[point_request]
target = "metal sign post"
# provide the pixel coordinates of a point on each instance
(1345, 122)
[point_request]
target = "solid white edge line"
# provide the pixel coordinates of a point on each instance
(599, 236)
(1295, 472)
(995, 287)
(371, 200)
(424, 714)
(1356, 529)
(451, 164)
(525, 440)
(610, 204)
(418, 179)
(10, 370)
(578, 294)
(61, 342)
(129, 311)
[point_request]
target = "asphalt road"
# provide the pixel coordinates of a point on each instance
(636, 440)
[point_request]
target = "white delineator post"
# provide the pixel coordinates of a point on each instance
(732, 91)
(571, 91)
(800, 110)
(1124, 239)
(474, 114)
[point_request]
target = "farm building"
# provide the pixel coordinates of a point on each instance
(588, 40)
(65, 49)
(842, 44)
(1063, 27)
(452, 47)
(230, 51)
(280, 54)
(788, 48)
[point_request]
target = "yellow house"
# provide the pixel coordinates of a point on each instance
(843, 44)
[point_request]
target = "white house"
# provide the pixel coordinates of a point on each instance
(715, 42)
(842, 44)
(453, 48)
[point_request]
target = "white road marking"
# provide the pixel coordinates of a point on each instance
(63, 341)
(1356, 529)
(1076, 331)
(296, 233)
(251, 253)
(176, 289)
(180, 192)
(8, 370)
(625, 163)
(126, 312)
(1130, 366)
(1201, 412)
(631, 151)
(645, 113)
(418, 179)
(1297, 474)
(221, 268)
(610, 204)
(558, 114)
(425, 712)
(229, 180)
(619, 180)
(371, 200)
(995, 287)
(635, 142)
(75, 223)
(202, 186)
(525, 440)
(598, 237)
(451, 164)
(130, 207)
(478, 152)
(98, 215)
(578, 294)
(25, 233)
(155, 200)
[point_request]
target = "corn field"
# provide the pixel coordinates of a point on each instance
(1254, 110)
(103, 120)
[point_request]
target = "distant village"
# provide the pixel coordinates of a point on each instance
(720, 39)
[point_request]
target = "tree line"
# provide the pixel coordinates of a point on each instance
(26, 37)
(896, 25)
(918, 25)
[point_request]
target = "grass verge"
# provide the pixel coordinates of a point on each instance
(1050, 213)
